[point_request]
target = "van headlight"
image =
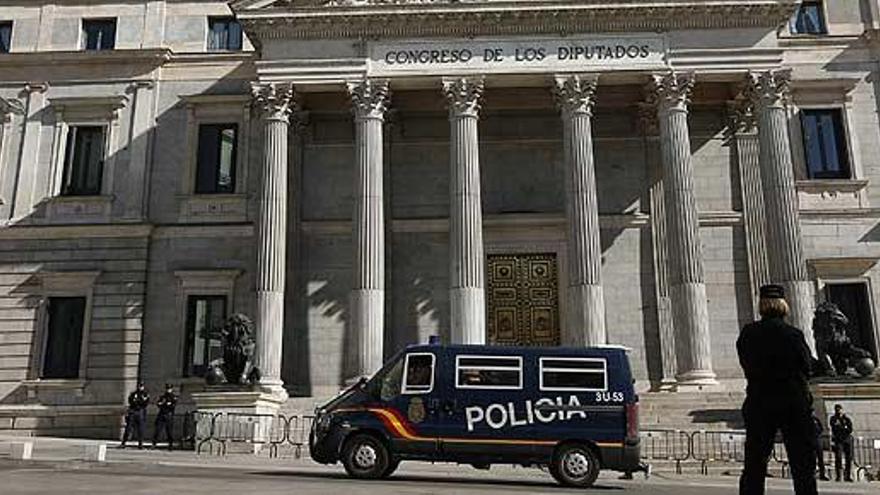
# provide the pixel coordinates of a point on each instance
(324, 422)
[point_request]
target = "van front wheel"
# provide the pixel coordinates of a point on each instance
(575, 465)
(365, 457)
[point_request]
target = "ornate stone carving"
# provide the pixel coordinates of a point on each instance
(10, 106)
(277, 101)
(671, 91)
(575, 94)
(834, 347)
(740, 118)
(236, 367)
(369, 98)
(464, 96)
(364, 19)
(769, 88)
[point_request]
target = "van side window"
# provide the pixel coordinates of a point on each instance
(488, 372)
(574, 374)
(419, 375)
(390, 385)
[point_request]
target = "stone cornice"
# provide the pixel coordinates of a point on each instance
(149, 57)
(364, 19)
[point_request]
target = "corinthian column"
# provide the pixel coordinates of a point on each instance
(466, 279)
(586, 322)
(276, 103)
(367, 302)
(768, 92)
(687, 288)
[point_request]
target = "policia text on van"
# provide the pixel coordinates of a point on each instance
(572, 410)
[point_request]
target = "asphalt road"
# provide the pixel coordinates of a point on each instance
(420, 479)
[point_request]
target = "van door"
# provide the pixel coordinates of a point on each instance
(485, 414)
(410, 412)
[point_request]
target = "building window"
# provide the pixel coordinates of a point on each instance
(215, 168)
(5, 36)
(854, 301)
(825, 144)
(64, 340)
(99, 34)
(809, 19)
(224, 33)
(83, 161)
(204, 316)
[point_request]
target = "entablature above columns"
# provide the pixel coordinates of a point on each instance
(299, 19)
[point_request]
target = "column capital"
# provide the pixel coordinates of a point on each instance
(575, 94)
(671, 91)
(464, 96)
(768, 89)
(741, 117)
(11, 106)
(369, 98)
(276, 100)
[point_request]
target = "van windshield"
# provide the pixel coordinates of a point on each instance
(390, 381)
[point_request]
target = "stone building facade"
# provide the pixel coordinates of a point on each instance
(361, 175)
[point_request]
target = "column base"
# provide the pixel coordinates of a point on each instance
(367, 309)
(696, 381)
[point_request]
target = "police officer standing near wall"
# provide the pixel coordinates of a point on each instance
(165, 418)
(842, 442)
(136, 417)
(776, 361)
(820, 448)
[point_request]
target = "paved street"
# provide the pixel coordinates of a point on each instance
(71, 477)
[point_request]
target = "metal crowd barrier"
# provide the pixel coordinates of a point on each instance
(717, 446)
(666, 446)
(216, 431)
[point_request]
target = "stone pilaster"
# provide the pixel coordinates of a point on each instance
(276, 102)
(367, 300)
(768, 93)
(687, 288)
(742, 133)
(466, 278)
(586, 322)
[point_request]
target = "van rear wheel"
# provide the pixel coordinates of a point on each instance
(575, 465)
(366, 457)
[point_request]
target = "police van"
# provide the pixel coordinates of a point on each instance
(572, 410)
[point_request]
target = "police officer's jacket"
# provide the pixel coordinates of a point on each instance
(166, 404)
(775, 359)
(841, 428)
(138, 400)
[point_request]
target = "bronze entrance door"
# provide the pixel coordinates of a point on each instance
(523, 300)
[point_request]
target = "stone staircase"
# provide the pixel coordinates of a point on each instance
(691, 411)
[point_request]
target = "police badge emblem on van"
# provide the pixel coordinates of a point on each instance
(416, 410)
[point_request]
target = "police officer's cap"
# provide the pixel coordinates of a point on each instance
(772, 292)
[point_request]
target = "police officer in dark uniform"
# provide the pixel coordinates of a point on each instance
(165, 419)
(776, 361)
(842, 442)
(820, 450)
(136, 417)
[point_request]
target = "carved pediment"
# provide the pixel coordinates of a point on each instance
(266, 19)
